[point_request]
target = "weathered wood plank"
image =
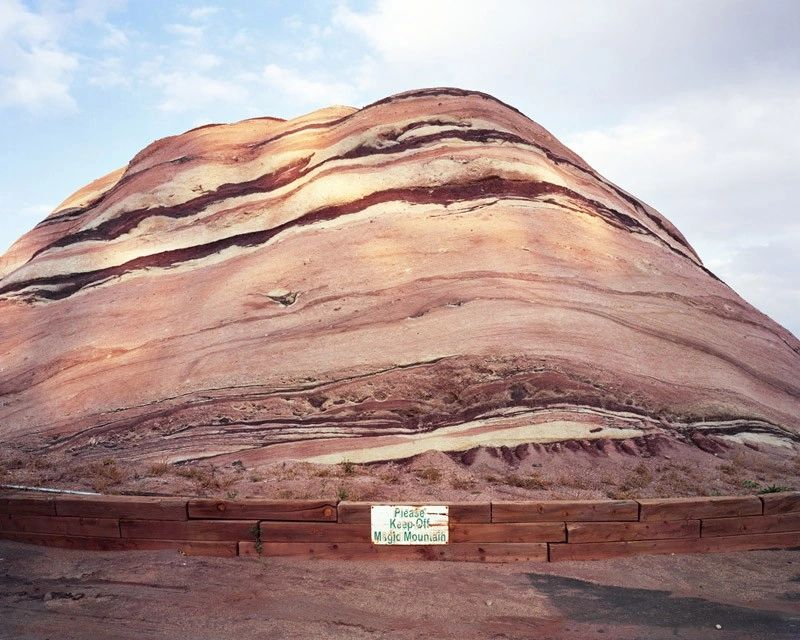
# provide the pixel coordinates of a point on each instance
(565, 511)
(465, 551)
(129, 507)
(459, 512)
(508, 532)
(26, 504)
(314, 532)
(289, 510)
(601, 550)
(186, 547)
(787, 502)
(703, 507)
(616, 531)
(68, 526)
(209, 530)
(751, 524)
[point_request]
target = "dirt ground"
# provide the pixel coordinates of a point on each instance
(638, 468)
(48, 593)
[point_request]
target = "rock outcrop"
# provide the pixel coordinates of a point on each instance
(433, 271)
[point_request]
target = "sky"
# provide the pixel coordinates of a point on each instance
(692, 106)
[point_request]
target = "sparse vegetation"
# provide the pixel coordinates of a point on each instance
(347, 467)
(103, 475)
(635, 481)
(255, 531)
(533, 481)
(431, 475)
(342, 493)
(157, 469)
(462, 484)
(205, 478)
(750, 484)
(774, 489)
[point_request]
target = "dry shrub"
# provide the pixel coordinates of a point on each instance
(574, 482)
(431, 475)
(205, 478)
(158, 469)
(533, 481)
(391, 475)
(462, 483)
(103, 475)
(632, 485)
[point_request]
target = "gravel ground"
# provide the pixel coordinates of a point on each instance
(51, 594)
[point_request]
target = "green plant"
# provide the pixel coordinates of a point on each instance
(342, 493)
(255, 531)
(774, 489)
(750, 484)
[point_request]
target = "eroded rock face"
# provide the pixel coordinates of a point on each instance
(434, 271)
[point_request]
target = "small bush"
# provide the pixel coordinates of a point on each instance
(348, 468)
(774, 489)
(157, 469)
(430, 475)
(533, 481)
(462, 483)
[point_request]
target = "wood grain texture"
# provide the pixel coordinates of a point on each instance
(751, 524)
(129, 507)
(432, 271)
(693, 508)
(788, 502)
(463, 552)
(92, 527)
(314, 532)
(295, 510)
(201, 530)
(565, 511)
(508, 532)
(616, 531)
(186, 547)
(601, 550)
(27, 504)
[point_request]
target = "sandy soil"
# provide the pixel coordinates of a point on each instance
(638, 468)
(54, 593)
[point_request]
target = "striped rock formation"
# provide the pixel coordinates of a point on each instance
(433, 271)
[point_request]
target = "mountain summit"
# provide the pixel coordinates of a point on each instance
(433, 271)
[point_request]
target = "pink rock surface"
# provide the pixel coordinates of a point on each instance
(433, 271)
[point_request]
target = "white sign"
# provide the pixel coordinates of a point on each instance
(407, 524)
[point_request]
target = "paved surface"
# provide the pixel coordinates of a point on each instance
(54, 594)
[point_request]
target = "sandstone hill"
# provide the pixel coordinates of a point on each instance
(433, 271)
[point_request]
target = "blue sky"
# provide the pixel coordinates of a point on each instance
(692, 106)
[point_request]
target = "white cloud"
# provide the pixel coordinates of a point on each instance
(115, 38)
(110, 73)
(306, 91)
(201, 13)
(35, 72)
(189, 90)
(187, 33)
(722, 165)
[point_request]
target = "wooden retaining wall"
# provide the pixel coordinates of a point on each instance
(487, 532)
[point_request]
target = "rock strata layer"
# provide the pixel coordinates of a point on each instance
(433, 271)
